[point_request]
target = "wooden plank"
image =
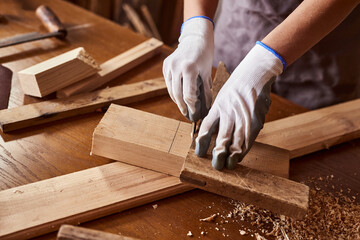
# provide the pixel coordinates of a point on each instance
(142, 139)
(51, 110)
(41, 207)
(114, 67)
(135, 20)
(248, 185)
(58, 72)
(161, 144)
(147, 15)
(315, 130)
(68, 232)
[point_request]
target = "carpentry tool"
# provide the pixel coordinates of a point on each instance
(5, 86)
(48, 19)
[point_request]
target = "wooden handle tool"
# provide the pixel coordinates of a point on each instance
(50, 21)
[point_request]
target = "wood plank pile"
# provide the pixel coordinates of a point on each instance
(151, 150)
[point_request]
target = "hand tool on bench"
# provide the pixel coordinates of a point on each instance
(48, 19)
(5, 86)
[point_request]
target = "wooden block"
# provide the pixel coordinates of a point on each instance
(114, 67)
(248, 185)
(51, 110)
(315, 130)
(142, 139)
(68, 232)
(58, 72)
(161, 144)
(41, 207)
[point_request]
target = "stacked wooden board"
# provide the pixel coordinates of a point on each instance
(120, 194)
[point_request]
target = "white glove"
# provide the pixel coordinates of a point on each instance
(187, 71)
(240, 107)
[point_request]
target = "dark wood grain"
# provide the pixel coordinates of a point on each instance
(54, 149)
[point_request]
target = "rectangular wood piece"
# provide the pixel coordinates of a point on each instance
(142, 139)
(114, 67)
(68, 232)
(41, 207)
(161, 144)
(51, 110)
(314, 130)
(247, 185)
(57, 72)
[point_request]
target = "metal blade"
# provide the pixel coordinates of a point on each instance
(28, 37)
(5, 86)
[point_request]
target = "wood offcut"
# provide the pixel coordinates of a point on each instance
(68, 232)
(114, 67)
(51, 110)
(314, 130)
(142, 139)
(247, 185)
(57, 72)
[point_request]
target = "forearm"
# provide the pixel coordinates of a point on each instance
(199, 8)
(307, 25)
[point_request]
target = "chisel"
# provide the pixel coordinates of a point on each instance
(48, 19)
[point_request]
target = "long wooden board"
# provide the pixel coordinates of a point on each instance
(114, 67)
(161, 144)
(314, 130)
(41, 207)
(51, 110)
(68, 232)
(57, 72)
(247, 185)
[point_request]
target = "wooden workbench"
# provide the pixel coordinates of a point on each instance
(62, 147)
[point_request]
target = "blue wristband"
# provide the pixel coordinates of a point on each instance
(274, 52)
(205, 17)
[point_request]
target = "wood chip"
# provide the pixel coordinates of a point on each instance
(208, 219)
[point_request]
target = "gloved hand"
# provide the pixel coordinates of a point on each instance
(187, 71)
(240, 107)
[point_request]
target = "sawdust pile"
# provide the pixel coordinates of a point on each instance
(330, 216)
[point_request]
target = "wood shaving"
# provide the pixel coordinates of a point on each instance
(330, 216)
(209, 219)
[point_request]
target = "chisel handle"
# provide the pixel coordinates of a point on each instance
(50, 21)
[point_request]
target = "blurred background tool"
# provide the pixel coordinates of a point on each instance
(48, 19)
(5, 86)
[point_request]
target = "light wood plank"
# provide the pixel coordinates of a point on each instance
(161, 144)
(57, 72)
(149, 19)
(142, 139)
(135, 20)
(68, 232)
(315, 130)
(51, 110)
(247, 185)
(114, 67)
(41, 207)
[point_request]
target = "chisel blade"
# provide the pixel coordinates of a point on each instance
(27, 37)
(5, 86)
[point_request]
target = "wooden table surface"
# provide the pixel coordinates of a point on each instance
(62, 147)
